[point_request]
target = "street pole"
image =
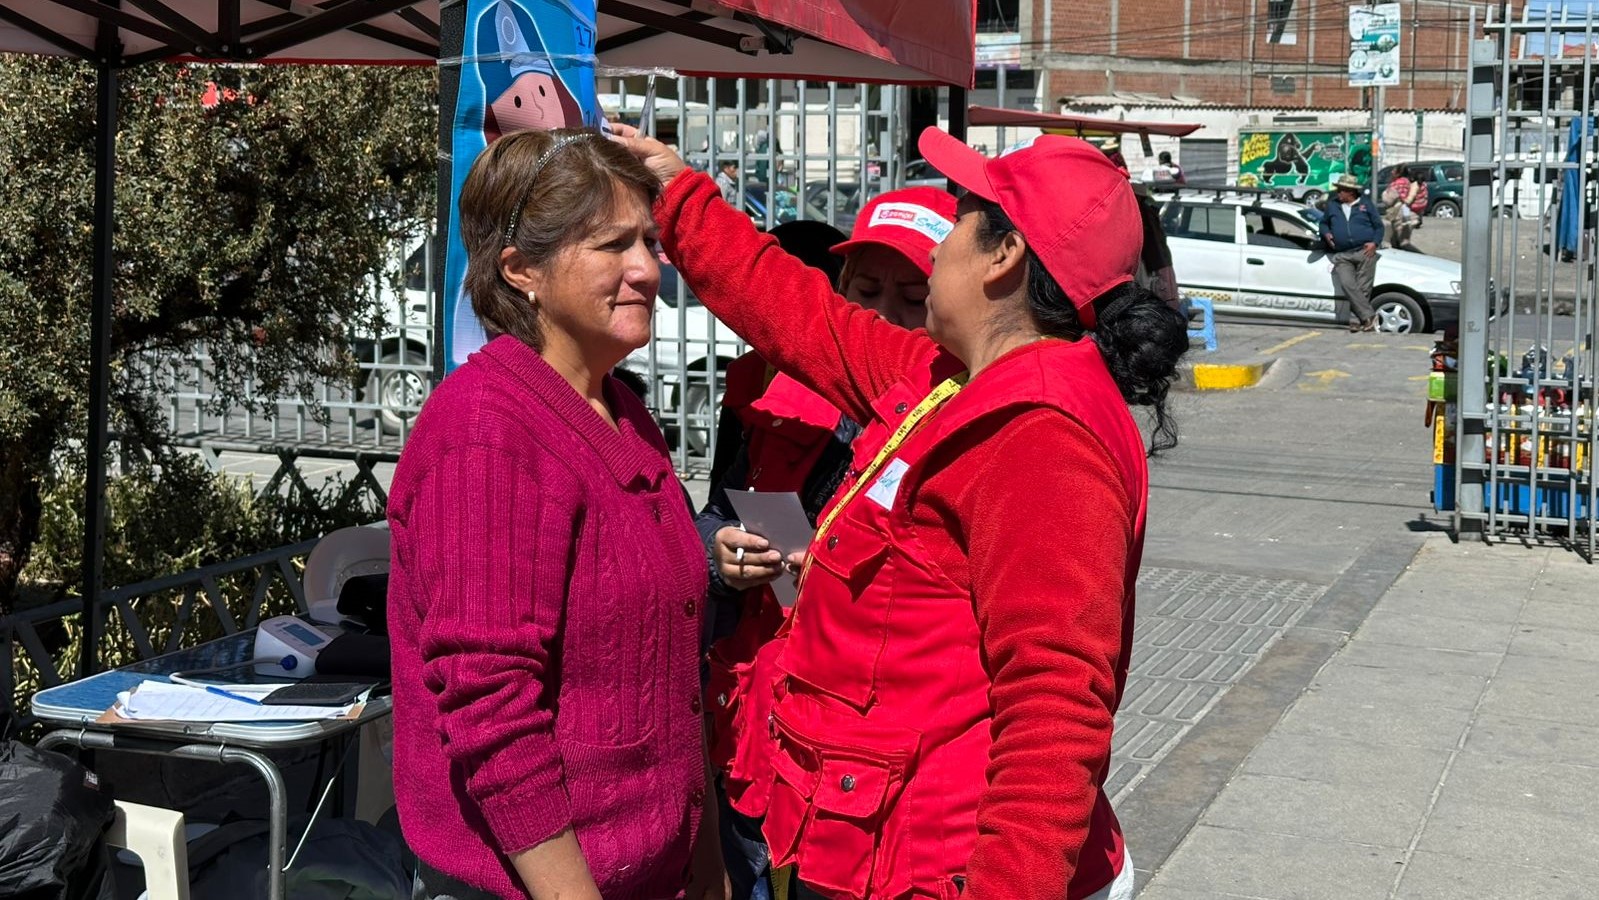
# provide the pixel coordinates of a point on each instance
(1378, 97)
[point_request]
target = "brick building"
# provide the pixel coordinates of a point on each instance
(1256, 54)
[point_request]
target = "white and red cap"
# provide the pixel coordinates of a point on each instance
(1074, 207)
(910, 220)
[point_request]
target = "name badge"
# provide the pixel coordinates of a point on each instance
(883, 490)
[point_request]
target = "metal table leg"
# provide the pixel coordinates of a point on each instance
(277, 792)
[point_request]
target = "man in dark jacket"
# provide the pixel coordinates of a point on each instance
(1352, 230)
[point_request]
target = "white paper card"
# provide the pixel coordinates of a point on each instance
(779, 517)
(886, 487)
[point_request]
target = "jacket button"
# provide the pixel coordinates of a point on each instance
(777, 423)
(695, 705)
(900, 409)
(688, 608)
(832, 542)
(847, 783)
(721, 699)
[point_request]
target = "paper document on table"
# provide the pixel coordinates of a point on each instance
(779, 517)
(165, 702)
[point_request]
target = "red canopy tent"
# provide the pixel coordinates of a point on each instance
(900, 41)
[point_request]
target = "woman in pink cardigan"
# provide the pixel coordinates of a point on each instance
(547, 582)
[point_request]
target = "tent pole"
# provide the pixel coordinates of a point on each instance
(105, 142)
(957, 124)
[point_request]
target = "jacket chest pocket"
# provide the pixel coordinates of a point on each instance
(841, 621)
(832, 810)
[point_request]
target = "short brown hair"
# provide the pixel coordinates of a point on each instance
(572, 194)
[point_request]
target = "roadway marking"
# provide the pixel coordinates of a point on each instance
(1367, 346)
(1290, 342)
(1324, 379)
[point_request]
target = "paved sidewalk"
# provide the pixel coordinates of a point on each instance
(1449, 749)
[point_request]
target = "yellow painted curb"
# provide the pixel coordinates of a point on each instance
(1218, 377)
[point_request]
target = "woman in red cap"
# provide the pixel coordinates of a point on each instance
(951, 672)
(791, 439)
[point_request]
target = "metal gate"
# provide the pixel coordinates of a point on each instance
(1525, 414)
(802, 150)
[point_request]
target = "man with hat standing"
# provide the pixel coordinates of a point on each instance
(1352, 230)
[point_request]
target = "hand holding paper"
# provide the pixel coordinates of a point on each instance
(780, 518)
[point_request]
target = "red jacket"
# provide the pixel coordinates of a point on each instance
(789, 427)
(1035, 514)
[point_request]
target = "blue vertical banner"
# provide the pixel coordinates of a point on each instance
(520, 64)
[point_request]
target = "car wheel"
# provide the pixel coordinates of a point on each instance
(1311, 197)
(701, 419)
(1506, 212)
(1398, 313)
(1446, 209)
(398, 393)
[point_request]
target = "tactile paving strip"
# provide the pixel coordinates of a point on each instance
(1195, 636)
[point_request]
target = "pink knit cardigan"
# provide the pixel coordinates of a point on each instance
(544, 606)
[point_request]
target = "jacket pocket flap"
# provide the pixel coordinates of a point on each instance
(852, 787)
(849, 547)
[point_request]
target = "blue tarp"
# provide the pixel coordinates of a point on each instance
(1568, 227)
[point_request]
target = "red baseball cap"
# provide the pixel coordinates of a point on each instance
(1074, 207)
(910, 220)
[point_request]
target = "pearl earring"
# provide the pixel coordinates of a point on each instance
(533, 299)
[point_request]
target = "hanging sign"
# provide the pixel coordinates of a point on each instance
(1374, 45)
(521, 64)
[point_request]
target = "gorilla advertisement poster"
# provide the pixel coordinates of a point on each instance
(505, 65)
(1308, 159)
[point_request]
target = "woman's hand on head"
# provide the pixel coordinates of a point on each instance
(656, 156)
(758, 564)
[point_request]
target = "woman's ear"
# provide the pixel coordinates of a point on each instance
(518, 272)
(1007, 265)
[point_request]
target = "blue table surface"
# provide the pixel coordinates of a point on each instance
(87, 698)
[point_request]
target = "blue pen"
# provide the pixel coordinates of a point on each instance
(232, 696)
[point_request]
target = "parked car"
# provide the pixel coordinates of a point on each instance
(1258, 257)
(850, 199)
(394, 358)
(1445, 180)
(684, 335)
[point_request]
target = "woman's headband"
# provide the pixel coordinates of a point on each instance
(538, 166)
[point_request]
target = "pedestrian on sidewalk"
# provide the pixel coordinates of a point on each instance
(953, 666)
(794, 440)
(1352, 230)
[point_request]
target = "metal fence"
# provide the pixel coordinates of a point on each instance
(803, 150)
(147, 619)
(1525, 413)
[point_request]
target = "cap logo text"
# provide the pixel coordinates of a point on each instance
(919, 219)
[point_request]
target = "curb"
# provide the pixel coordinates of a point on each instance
(1224, 376)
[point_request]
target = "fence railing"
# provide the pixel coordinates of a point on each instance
(147, 619)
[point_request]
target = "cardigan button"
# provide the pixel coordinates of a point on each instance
(832, 542)
(689, 608)
(696, 706)
(900, 409)
(697, 796)
(847, 783)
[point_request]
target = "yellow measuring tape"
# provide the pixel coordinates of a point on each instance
(932, 401)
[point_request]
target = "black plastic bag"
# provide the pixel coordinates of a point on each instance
(53, 816)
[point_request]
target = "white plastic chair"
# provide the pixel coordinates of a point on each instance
(156, 836)
(338, 557)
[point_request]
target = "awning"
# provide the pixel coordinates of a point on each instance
(1077, 126)
(903, 41)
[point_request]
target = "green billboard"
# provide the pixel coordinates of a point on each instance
(1302, 161)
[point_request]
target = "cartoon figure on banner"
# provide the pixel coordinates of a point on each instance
(523, 88)
(1290, 157)
(527, 91)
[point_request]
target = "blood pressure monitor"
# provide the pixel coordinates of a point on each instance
(288, 647)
